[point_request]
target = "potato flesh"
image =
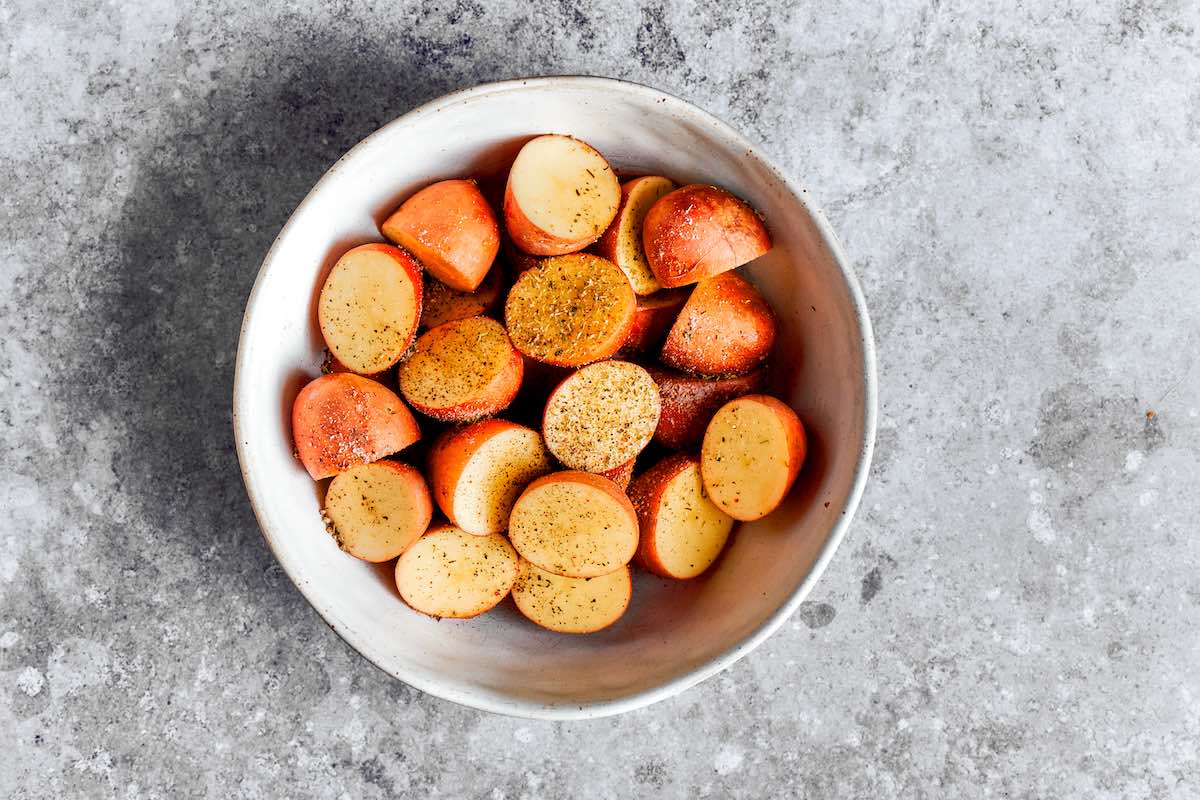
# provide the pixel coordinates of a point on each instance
(570, 310)
(454, 363)
(494, 476)
(451, 573)
(630, 255)
(571, 605)
(565, 188)
(368, 310)
(689, 530)
(602, 416)
(573, 529)
(375, 511)
(744, 459)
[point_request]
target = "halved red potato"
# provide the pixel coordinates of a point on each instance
(462, 370)
(700, 231)
(621, 474)
(571, 605)
(560, 197)
(369, 307)
(451, 573)
(570, 310)
(682, 531)
(443, 304)
(689, 402)
(622, 242)
(329, 364)
(725, 328)
(451, 229)
(376, 511)
(601, 416)
(342, 420)
(654, 316)
(752, 452)
(575, 524)
(478, 471)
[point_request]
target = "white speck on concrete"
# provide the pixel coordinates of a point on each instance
(729, 760)
(31, 682)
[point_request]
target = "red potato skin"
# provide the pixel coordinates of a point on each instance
(621, 474)
(498, 395)
(342, 420)
(533, 240)
(699, 231)
(330, 364)
(483, 301)
(725, 328)
(654, 316)
(645, 493)
(689, 403)
(451, 229)
(450, 453)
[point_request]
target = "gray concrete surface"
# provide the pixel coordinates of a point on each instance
(1017, 610)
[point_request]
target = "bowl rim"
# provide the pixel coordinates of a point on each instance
(519, 707)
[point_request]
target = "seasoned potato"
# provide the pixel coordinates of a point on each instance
(682, 530)
(377, 510)
(570, 310)
(561, 196)
(689, 402)
(451, 229)
(622, 242)
(369, 307)
(571, 605)
(451, 573)
(442, 304)
(462, 371)
(725, 328)
(699, 231)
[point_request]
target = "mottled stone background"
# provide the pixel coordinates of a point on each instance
(1016, 612)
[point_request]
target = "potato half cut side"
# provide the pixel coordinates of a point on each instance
(601, 416)
(571, 605)
(752, 452)
(478, 471)
(376, 511)
(689, 402)
(654, 316)
(442, 304)
(682, 530)
(574, 524)
(451, 229)
(725, 328)
(452, 573)
(561, 196)
(369, 307)
(462, 370)
(570, 310)
(622, 242)
(700, 231)
(342, 420)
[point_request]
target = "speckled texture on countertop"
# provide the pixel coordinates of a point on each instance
(1016, 612)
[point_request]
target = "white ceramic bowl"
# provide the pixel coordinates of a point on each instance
(675, 634)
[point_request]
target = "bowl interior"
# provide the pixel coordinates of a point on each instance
(675, 633)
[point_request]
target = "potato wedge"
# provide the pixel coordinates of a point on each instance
(571, 605)
(682, 530)
(621, 474)
(622, 242)
(342, 420)
(725, 328)
(376, 511)
(689, 402)
(369, 307)
(699, 231)
(478, 471)
(601, 416)
(442, 304)
(654, 316)
(561, 196)
(452, 231)
(570, 310)
(575, 524)
(451, 573)
(752, 452)
(461, 371)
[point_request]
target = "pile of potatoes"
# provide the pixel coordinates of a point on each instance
(607, 323)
